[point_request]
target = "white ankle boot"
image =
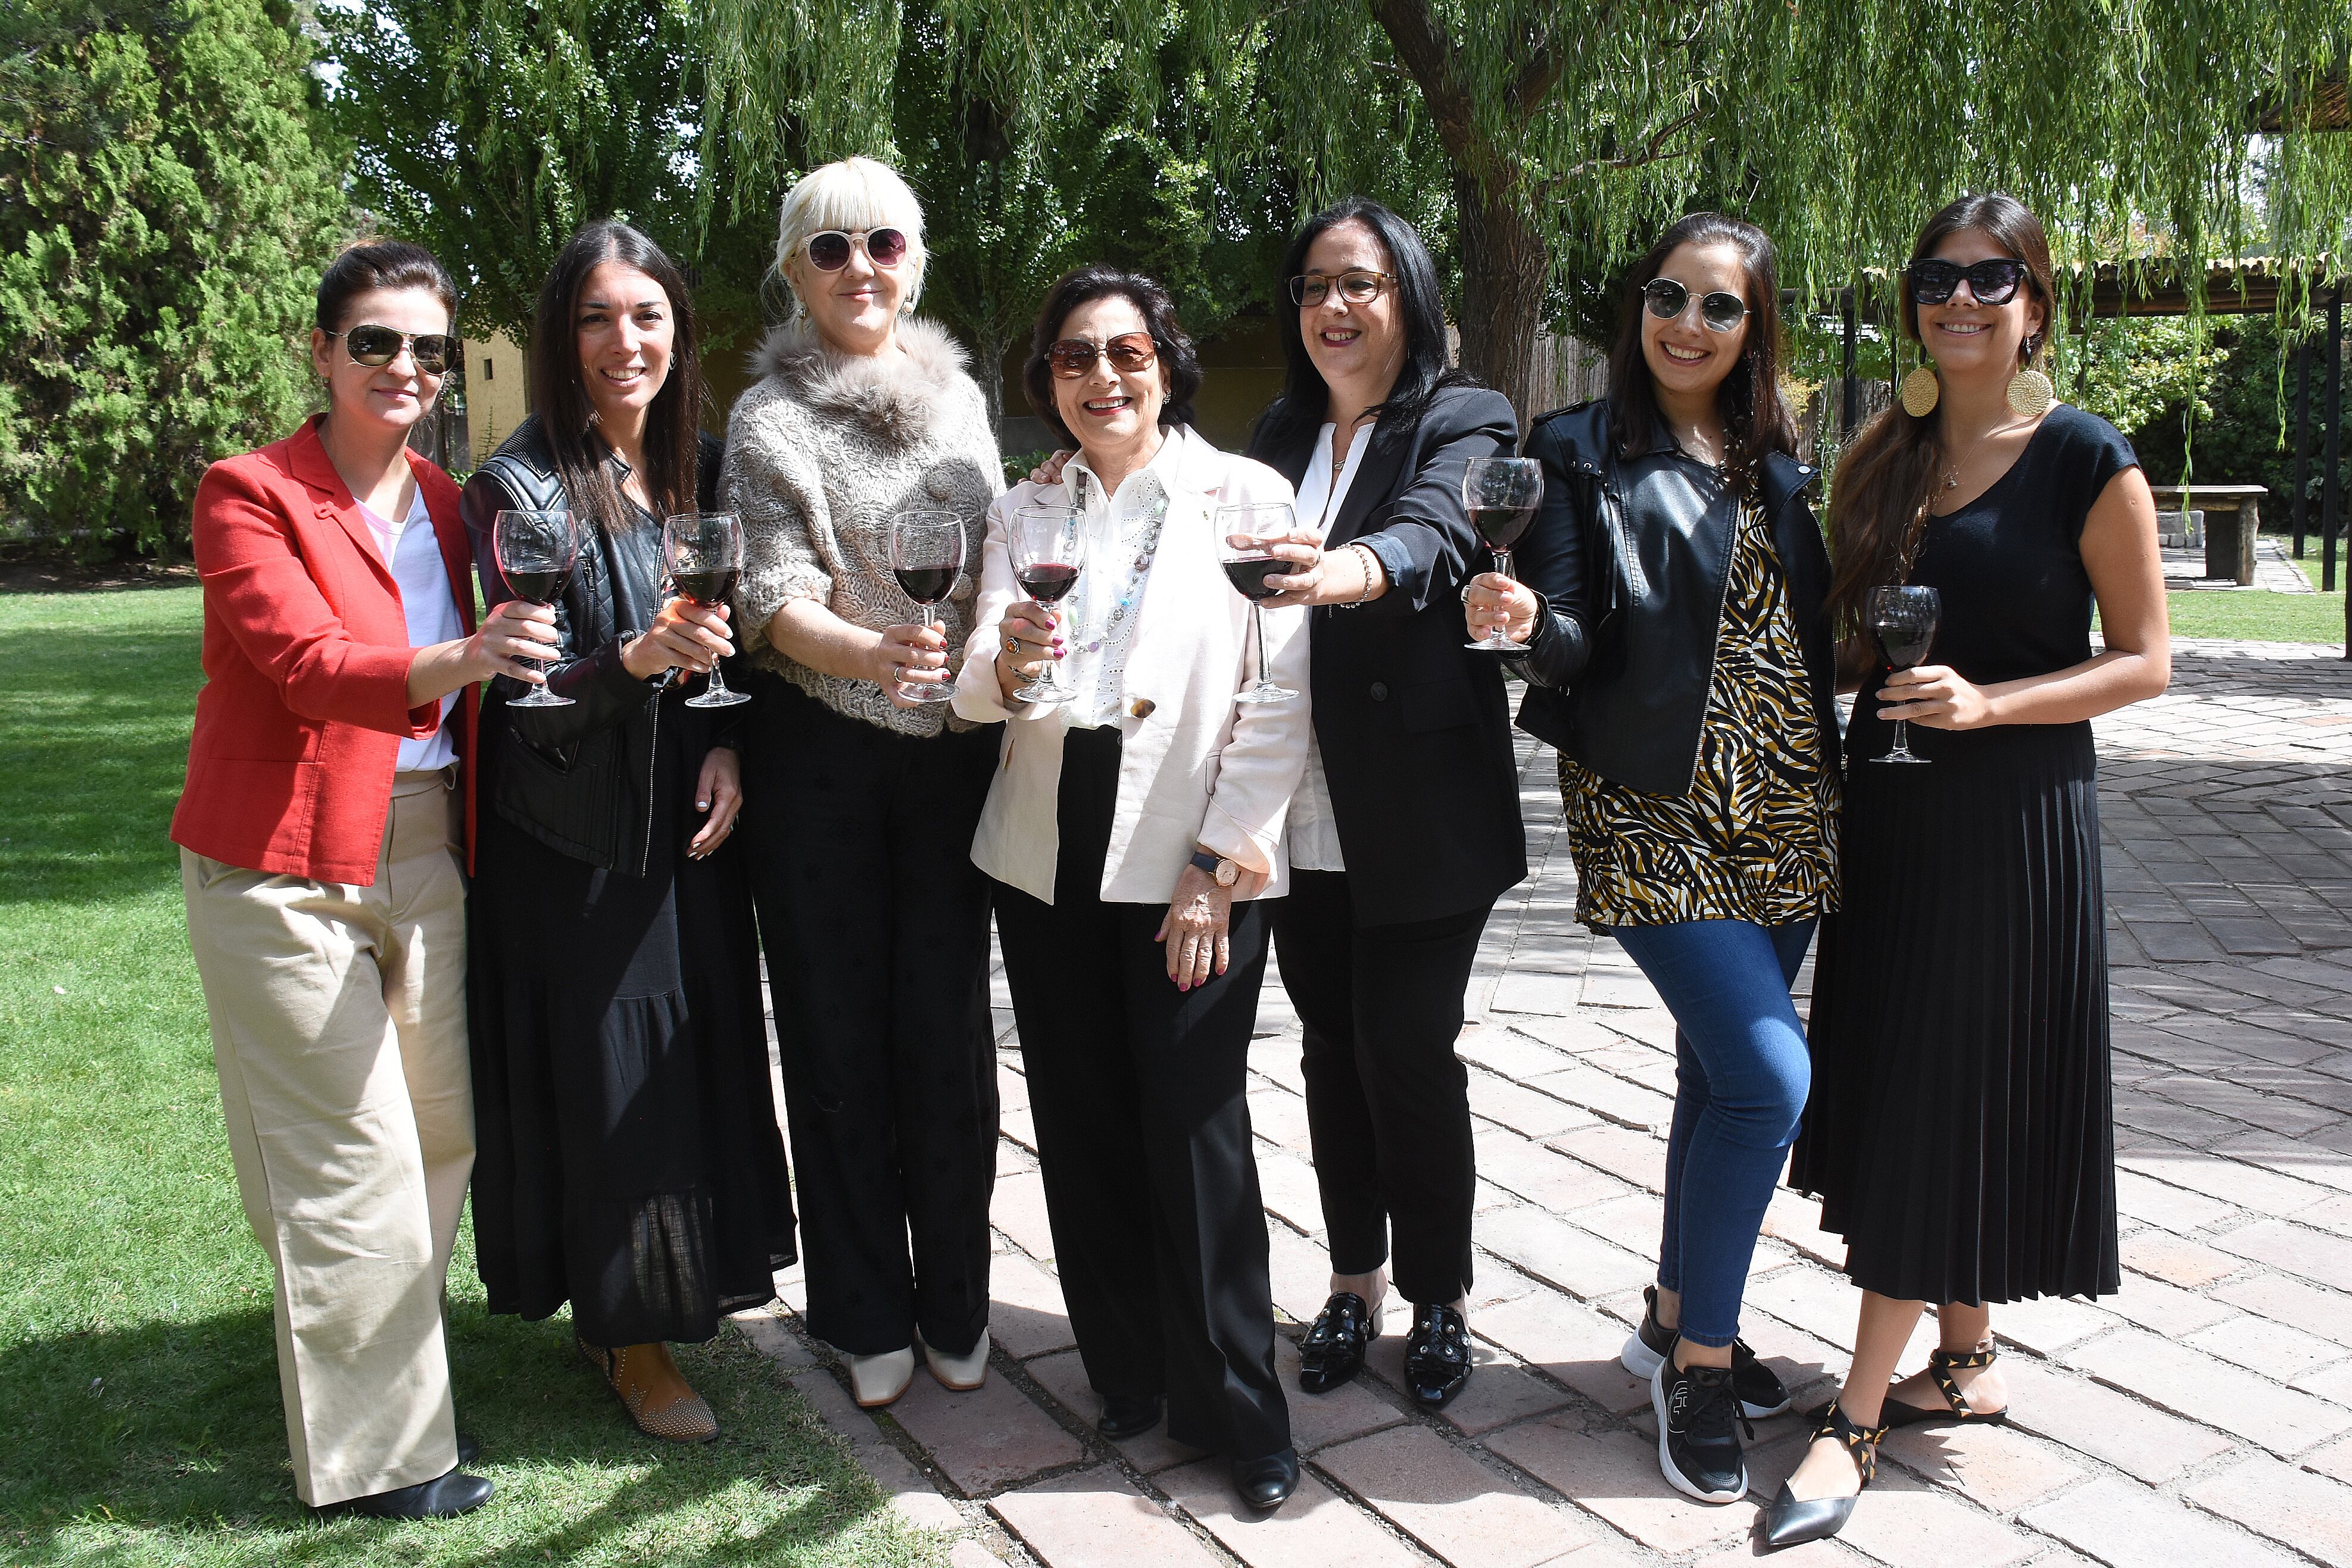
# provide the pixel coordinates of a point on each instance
(876, 1380)
(961, 1373)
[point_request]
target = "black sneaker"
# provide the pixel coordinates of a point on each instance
(1698, 1431)
(1760, 1391)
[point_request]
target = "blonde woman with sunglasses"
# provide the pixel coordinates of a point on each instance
(862, 788)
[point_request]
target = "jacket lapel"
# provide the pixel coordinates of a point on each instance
(1376, 477)
(308, 460)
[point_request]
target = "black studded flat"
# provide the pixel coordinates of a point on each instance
(1333, 1351)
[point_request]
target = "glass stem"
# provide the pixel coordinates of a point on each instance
(1257, 628)
(1502, 568)
(1902, 737)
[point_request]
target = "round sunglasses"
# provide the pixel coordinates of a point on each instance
(1992, 282)
(1129, 354)
(376, 346)
(1666, 300)
(829, 251)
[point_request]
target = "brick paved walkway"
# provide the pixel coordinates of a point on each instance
(2204, 1416)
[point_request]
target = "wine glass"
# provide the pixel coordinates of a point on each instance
(1902, 618)
(703, 553)
(1045, 564)
(926, 557)
(537, 552)
(1245, 536)
(1502, 495)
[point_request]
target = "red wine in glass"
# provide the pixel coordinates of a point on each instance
(926, 556)
(1045, 544)
(1047, 582)
(1902, 618)
(703, 554)
(1501, 495)
(1249, 576)
(536, 552)
(1247, 533)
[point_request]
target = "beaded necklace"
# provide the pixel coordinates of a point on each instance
(1115, 625)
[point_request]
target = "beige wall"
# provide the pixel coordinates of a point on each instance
(495, 382)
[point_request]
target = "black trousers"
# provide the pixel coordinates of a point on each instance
(876, 925)
(1143, 1135)
(1387, 1102)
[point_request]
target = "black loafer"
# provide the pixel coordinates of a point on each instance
(1333, 1350)
(1436, 1356)
(442, 1496)
(1124, 1418)
(1267, 1482)
(469, 1448)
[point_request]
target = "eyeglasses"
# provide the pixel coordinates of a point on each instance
(1666, 300)
(1357, 287)
(1992, 282)
(376, 346)
(1129, 354)
(829, 251)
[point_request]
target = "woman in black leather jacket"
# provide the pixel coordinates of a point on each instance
(1679, 660)
(629, 1160)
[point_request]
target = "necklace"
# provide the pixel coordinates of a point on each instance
(1952, 475)
(1115, 627)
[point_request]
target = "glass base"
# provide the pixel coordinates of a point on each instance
(1263, 691)
(1039, 692)
(1496, 645)
(720, 698)
(540, 697)
(926, 695)
(1900, 757)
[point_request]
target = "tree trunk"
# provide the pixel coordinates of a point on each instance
(1505, 265)
(988, 369)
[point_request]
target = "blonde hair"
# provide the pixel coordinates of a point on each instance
(852, 194)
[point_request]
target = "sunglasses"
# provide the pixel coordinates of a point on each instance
(1667, 299)
(376, 346)
(829, 251)
(1129, 354)
(1992, 282)
(1357, 287)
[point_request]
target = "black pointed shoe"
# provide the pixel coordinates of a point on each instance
(1941, 1363)
(442, 1496)
(1333, 1351)
(1789, 1522)
(1760, 1390)
(1698, 1431)
(1436, 1356)
(1267, 1483)
(1127, 1415)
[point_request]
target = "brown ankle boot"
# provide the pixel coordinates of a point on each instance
(653, 1392)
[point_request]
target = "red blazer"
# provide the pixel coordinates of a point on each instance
(305, 700)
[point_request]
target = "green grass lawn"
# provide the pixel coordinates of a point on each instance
(2264, 617)
(142, 1422)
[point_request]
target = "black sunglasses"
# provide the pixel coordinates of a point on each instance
(1992, 282)
(829, 251)
(376, 346)
(1129, 354)
(1667, 299)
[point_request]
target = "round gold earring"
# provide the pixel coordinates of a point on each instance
(2030, 394)
(1920, 391)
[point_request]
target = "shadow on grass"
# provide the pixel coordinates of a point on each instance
(165, 1443)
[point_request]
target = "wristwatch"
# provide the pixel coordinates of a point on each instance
(1226, 872)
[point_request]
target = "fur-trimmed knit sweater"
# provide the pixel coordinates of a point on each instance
(822, 453)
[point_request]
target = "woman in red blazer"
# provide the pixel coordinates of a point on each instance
(327, 812)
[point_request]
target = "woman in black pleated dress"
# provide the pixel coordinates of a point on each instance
(1959, 1131)
(629, 1160)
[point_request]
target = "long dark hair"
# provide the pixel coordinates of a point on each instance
(1305, 398)
(1886, 476)
(1179, 364)
(559, 395)
(1756, 422)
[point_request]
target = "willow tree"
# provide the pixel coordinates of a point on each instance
(1570, 130)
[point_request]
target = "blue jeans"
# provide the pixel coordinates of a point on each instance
(1741, 1073)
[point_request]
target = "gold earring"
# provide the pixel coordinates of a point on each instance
(1920, 391)
(2030, 394)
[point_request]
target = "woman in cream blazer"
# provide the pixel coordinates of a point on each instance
(1132, 833)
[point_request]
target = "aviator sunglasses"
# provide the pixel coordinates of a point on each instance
(1129, 354)
(1667, 299)
(829, 251)
(1992, 282)
(376, 346)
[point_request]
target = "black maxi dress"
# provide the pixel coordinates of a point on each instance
(1960, 1132)
(628, 1160)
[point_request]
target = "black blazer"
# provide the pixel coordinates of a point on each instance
(1632, 555)
(1414, 728)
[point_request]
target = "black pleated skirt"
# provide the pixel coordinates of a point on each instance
(627, 1159)
(1960, 1132)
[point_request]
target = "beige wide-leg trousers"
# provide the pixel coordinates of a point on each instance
(339, 1026)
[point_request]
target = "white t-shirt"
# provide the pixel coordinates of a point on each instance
(413, 552)
(1314, 831)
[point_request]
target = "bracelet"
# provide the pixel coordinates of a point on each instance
(1371, 574)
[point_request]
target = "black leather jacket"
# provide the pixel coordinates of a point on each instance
(579, 778)
(1633, 556)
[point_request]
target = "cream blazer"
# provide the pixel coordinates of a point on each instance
(1194, 767)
